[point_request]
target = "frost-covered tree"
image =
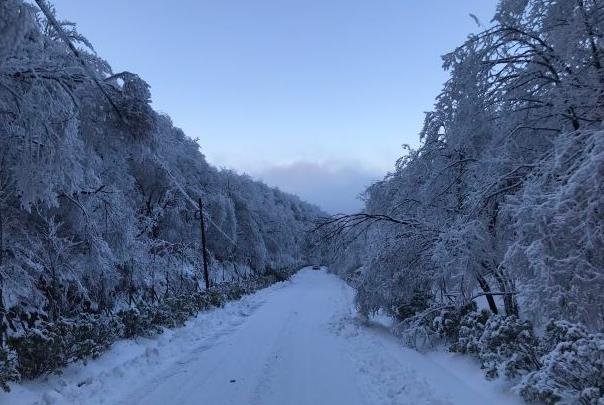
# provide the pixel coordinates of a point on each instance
(494, 224)
(98, 192)
(501, 203)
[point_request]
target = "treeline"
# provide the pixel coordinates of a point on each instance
(98, 196)
(490, 235)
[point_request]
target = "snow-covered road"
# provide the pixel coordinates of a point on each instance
(297, 342)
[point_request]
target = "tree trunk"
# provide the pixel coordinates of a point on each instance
(487, 290)
(509, 302)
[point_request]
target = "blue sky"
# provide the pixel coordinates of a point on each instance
(314, 96)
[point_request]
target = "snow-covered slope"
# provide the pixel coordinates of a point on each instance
(296, 342)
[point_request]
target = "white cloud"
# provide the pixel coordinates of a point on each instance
(333, 186)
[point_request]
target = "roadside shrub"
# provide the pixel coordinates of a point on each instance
(508, 345)
(47, 347)
(420, 301)
(139, 322)
(176, 310)
(53, 345)
(235, 292)
(471, 329)
(40, 350)
(505, 345)
(429, 328)
(278, 275)
(215, 298)
(162, 316)
(418, 336)
(201, 301)
(449, 320)
(90, 336)
(566, 366)
(8, 368)
(573, 372)
(561, 331)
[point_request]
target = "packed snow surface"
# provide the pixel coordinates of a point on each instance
(297, 342)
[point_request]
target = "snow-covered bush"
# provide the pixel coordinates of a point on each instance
(449, 320)
(433, 326)
(561, 331)
(505, 345)
(462, 327)
(8, 368)
(181, 307)
(508, 347)
(40, 350)
(90, 335)
(278, 274)
(48, 346)
(470, 330)
(418, 336)
(572, 373)
(144, 321)
(417, 302)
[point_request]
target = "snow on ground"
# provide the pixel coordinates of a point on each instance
(296, 342)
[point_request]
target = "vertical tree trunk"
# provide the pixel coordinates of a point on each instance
(509, 302)
(487, 289)
(503, 281)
